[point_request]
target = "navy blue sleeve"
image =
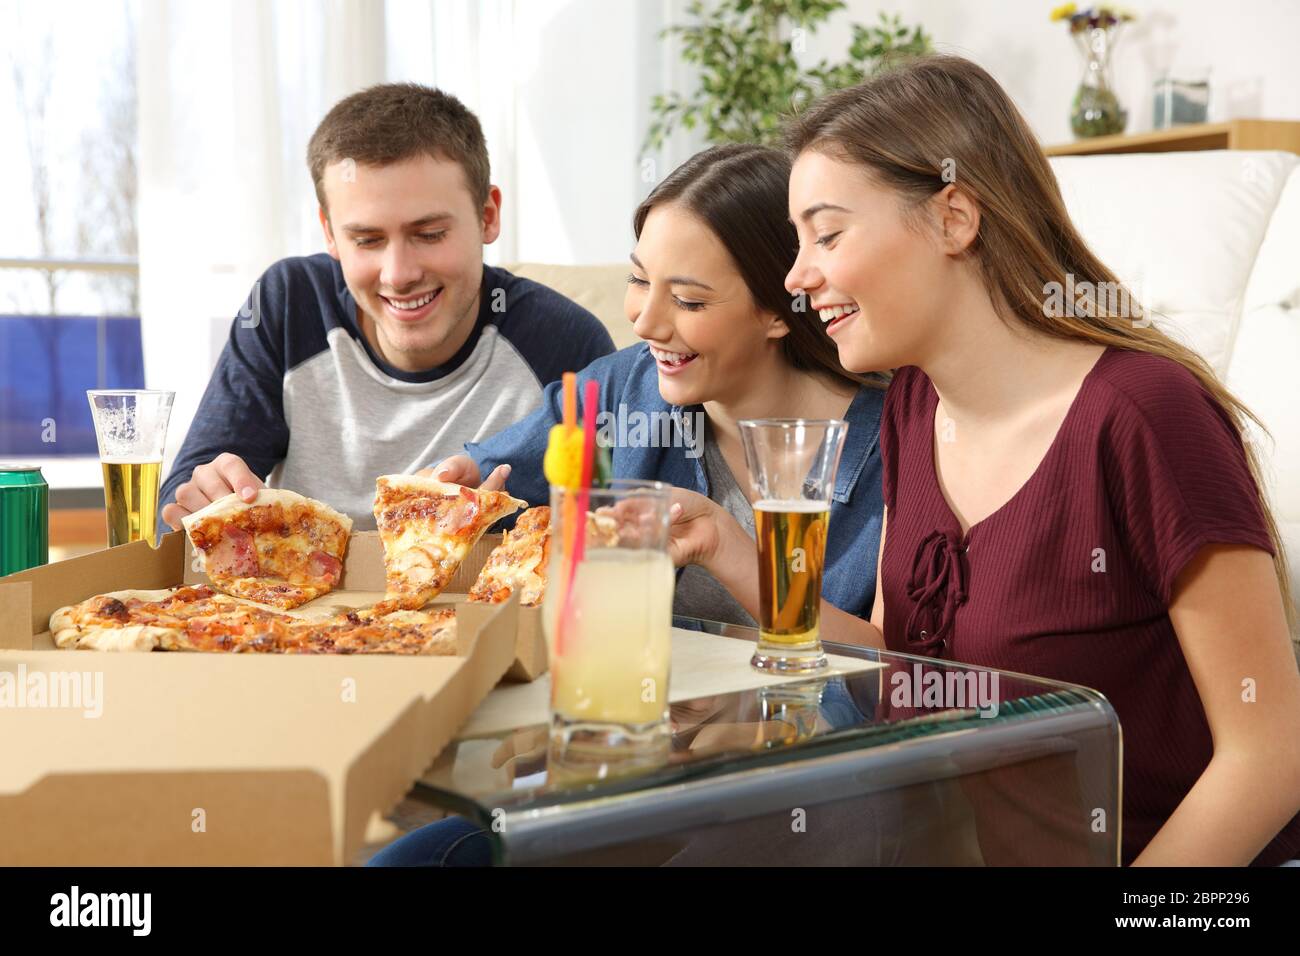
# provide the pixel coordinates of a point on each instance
(553, 333)
(242, 410)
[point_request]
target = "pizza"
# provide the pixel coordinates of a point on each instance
(427, 632)
(200, 619)
(518, 563)
(427, 528)
(281, 548)
(602, 529)
(186, 618)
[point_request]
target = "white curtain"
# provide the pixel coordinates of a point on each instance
(230, 94)
(563, 89)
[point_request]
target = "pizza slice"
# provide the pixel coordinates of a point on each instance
(522, 560)
(281, 548)
(518, 563)
(428, 632)
(427, 528)
(177, 619)
(200, 619)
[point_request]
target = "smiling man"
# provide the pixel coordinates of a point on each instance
(397, 347)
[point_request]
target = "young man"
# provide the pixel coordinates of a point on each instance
(396, 348)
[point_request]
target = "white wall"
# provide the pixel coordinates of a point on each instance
(584, 72)
(1249, 46)
(563, 89)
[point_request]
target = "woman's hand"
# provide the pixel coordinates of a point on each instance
(697, 528)
(463, 470)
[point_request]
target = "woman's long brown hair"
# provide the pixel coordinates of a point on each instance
(936, 119)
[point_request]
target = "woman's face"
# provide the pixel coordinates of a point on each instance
(686, 298)
(875, 280)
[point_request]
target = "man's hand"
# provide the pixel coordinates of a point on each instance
(216, 479)
(463, 470)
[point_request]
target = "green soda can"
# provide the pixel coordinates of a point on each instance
(24, 518)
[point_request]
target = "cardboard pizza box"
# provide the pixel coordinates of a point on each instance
(215, 759)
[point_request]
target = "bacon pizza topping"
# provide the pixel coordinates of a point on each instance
(281, 549)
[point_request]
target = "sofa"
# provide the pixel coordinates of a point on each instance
(1210, 243)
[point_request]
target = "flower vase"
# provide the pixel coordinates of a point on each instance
(1096, 110)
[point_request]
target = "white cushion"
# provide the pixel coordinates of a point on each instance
(1264, 369)
(1182, 228)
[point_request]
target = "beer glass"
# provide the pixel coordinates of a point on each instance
(610, 654)
(131, 428)
(792, 463)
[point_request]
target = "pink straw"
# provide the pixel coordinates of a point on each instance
(578, 528)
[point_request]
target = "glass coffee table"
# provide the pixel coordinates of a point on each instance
(891, 759)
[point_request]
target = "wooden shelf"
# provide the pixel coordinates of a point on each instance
(1234, 134)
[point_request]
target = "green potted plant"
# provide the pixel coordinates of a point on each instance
(748, 73)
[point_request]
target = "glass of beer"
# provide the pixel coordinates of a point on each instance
(611, 648)
(792, 463)
(131, 428)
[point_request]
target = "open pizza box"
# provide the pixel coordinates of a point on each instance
(220, 759)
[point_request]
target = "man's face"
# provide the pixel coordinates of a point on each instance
(409, 237)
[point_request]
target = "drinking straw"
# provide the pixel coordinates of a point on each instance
(570, 380)
(570, 420)
(577, 528)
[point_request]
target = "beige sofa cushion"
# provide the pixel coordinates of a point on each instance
(598, 289)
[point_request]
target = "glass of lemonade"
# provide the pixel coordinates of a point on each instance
(610, 654)
(792, 464)
(131, 428)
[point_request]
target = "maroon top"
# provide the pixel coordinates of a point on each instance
(1145, 467)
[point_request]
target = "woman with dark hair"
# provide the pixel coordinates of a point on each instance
(724, 341)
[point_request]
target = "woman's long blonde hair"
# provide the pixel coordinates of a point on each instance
(938, 119)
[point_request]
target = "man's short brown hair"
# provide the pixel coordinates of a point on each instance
(393, 122)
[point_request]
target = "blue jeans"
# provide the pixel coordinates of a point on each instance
(454, 841)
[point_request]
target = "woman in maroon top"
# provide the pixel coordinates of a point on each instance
(1067, 491)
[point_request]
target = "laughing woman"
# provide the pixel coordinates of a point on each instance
(1067, 491)
(723, 341)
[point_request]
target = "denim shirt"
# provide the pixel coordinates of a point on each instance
(652, 440)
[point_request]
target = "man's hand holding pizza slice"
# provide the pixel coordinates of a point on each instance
(226, 474)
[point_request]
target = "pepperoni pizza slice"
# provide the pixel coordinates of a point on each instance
(281, 548)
